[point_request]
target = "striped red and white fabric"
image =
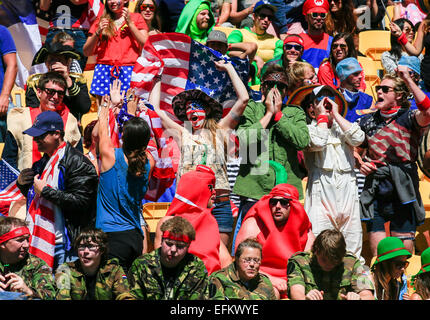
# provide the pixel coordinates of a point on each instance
(113, 130)
(41, 213)
(9, 191)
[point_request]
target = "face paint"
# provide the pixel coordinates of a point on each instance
(196, 115)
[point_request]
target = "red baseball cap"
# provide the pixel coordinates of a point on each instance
(315, 6)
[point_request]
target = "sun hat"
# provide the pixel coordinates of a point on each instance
(411, 62)
(55, 48)
(212, 107)
(389, 248)
(425, 264)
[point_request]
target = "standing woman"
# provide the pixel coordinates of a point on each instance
(117, 37)
(149, 11)
(206, 141)
(124, 176)
(341, 18)
(389, 266)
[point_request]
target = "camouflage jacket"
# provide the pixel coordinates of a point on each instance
(111, 282)
(226, 285)
(37, 275)
(147, 281)
(349, 276)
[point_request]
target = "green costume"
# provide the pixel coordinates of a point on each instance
(149, 280)
(37, 275)
(229, 286)
(349, 276)
(187, 20)
(111, 282)
(285, 137)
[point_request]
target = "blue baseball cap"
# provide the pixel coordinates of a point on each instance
(264, 3)
(411, 62)
(45, 122)
(346, 67)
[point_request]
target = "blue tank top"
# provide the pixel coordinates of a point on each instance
(119, 197)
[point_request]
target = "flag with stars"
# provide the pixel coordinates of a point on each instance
(184, 64)
(8, 189)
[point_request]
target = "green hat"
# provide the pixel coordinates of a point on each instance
(389, 248)
(425, 263)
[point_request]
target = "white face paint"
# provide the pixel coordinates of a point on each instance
(196, 115)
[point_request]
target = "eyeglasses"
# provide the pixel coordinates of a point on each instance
(408, 30)
(91, 247)
(318, 14)
(249, 260)
(384, 89)
(400, 264)
(263, 16)
(339, 45)
(322, 97)
(284, 202)
(144, 7)
(296, 47)
(51, 92)
(279, 85)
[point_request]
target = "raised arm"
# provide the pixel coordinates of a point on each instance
(106, 149)
(140, 35)
(412, 49)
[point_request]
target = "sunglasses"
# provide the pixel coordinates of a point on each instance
(144, 7)
(401, 264)
(339, 45)
(51, 92)
(249, 260)
(279, 85)
(91, 247)
(284, 202)
(263, 16)
(385, 89)
(296, 47)
(318, 14)
(322, 97)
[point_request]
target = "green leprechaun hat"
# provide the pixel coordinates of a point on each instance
(389, 248)
(425, 264)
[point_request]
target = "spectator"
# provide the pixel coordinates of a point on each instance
(204, 142)
(92, 276)
(317, 42)
(58, 58)
(300, 74)
(390, 59)
(150, 13)
(328, 272)
(412, 64)
(170, 272)
(280, 223)
(217, 40)
(391, 130)
(342, 47)
(117, 37)
(20, 151)
(194, 200)
(8, 71)
(421, 280)
(63, 184)
(221, 10)
(350, 75)
(196, 20)
(241, 13)
(90, 142)
(21, 271)
(242, 279)
(292, 52)
(390, 265)
(124, 177)
(409, 10)
(170, 10)
(342, 18)
(67, 40)
(331, 200)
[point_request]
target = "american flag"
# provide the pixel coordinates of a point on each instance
(8, 189)
(184, 64)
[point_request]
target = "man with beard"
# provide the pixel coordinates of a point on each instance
(317, 42)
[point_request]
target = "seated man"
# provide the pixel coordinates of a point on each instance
(242, 279)
(194, 199)
(328, 272)
(170, 272)
(281, 225)
(19, 270)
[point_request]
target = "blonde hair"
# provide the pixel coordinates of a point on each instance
(109, 31)
(296, 73)
(400, 87)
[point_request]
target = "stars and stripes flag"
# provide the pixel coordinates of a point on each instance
(8, 189)
(184, 64)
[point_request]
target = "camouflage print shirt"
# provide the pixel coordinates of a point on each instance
(111, 282)
(226, 285)
(37, 275)
(148, 281)
(349, 276)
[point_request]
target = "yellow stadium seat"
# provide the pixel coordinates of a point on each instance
(1, 148)
(18, 96)
(152, 213)
(371, 77)
(373, 43)
(390, 11)
(132, 5)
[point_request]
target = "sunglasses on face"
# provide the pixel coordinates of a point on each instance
(144, 7)
(91, 247)
(322, 97)
(318, 14)
(51, 92)
(279, 85)
(339, 45)
(385, 89)
(249, 260)
(296, 47)
(284, 202)
(263, 16)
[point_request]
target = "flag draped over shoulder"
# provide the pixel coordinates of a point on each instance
(184, 64)
(8, 189)
(20, 18)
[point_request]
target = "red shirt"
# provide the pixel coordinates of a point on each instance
(122, 49)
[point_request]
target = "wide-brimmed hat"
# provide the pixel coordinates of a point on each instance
(425, 264)
(389, 248)
(297, 96)
(55, 48)
(212, 107)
